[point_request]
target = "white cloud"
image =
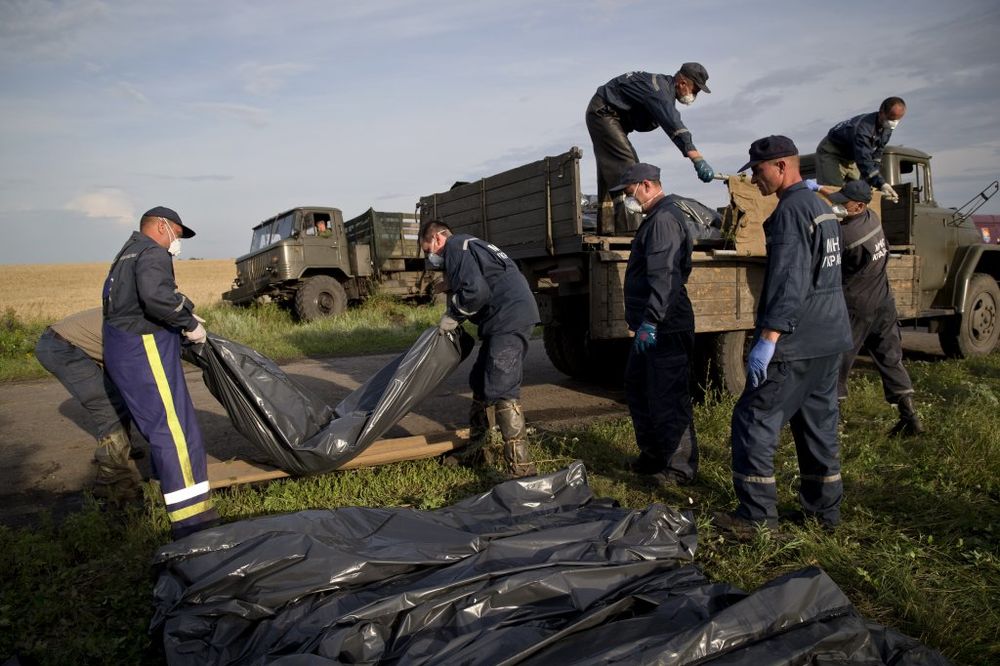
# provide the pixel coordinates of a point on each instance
(129, 90)
(105, 203)
(251, 115)
(261, 79)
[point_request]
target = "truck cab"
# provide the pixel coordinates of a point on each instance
(301, 258)
(956, 288)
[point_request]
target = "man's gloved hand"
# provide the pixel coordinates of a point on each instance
(447, 324)
(704, 170)
(889, 193)
(645, 337)
(812, 184)
(198, 335)
(757, 362)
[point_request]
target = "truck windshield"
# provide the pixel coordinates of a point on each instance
(273, 231)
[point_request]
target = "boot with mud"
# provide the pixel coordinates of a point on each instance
(909, 423)
(117, 477)
(473, 453)
(510, 418)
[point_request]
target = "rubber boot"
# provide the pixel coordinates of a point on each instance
(908, 423)
(117, 479)
(479, 430)
(510, 418)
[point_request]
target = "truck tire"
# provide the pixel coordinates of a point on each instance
(574, 354)
(721, 365)
(566, 350)
(975, 333)
(318, 297)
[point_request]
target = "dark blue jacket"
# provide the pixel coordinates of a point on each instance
(140, 293)
(646, 101)
(866, 258)
(486, 287)
(864, 139)
(658, 268)
(802, 296)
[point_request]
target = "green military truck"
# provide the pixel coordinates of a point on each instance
(317, 272)
(941, 275)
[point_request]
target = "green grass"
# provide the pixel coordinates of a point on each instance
(919, 549)
(381, 324)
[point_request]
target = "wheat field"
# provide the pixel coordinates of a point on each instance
(48, 292)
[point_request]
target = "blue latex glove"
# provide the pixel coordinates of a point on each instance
(645, 337)
(812, 184)
(757, 362)
(705, 172)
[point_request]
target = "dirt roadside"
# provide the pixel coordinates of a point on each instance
(46, 453)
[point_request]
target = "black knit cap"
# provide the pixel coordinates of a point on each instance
(170, 214)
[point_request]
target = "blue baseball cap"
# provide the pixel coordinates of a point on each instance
(769, 148)
(170, 214)
(636, 174)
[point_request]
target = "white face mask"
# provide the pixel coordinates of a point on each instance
(175, 243)
(839, 211)
(632, 204)
(890, 124)
(686, 100)
(435, 260)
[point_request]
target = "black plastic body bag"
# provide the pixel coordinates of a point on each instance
(296, 431)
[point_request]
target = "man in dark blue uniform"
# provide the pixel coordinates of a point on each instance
(658, 311)
(870, 304)
(801, 330)
(639, 102)
(145, 317)
(486, 287)
(852, 149)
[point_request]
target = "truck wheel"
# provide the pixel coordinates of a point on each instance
(573, 354)
(568, 352)
(318, 297)
(721, 365)
(975, 333)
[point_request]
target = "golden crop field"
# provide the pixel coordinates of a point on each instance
(49, 292)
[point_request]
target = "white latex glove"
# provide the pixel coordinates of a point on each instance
(447, 324)
(889, 193)
(198, 335)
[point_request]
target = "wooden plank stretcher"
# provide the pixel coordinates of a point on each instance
(382, 452)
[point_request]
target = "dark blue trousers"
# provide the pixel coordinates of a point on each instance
(657, 388)
(803, 394)
(147, 369)
(499, 367)
(878, 333)
(86, 380)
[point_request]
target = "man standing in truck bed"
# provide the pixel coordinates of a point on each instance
(852, 149)
(871, 305)
(801, 330)
(639, 102)
(486, 287)
(658, 311)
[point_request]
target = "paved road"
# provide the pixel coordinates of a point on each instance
(46, 453)
(45, 457)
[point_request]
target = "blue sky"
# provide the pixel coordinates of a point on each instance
(232, 111)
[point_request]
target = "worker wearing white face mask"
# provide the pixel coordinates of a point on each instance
(145, 318)
(639, 102)
(852, 149)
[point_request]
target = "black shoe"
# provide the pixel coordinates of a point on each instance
(667, 479)
(740, 527)
(643, 464)
(799, 517)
